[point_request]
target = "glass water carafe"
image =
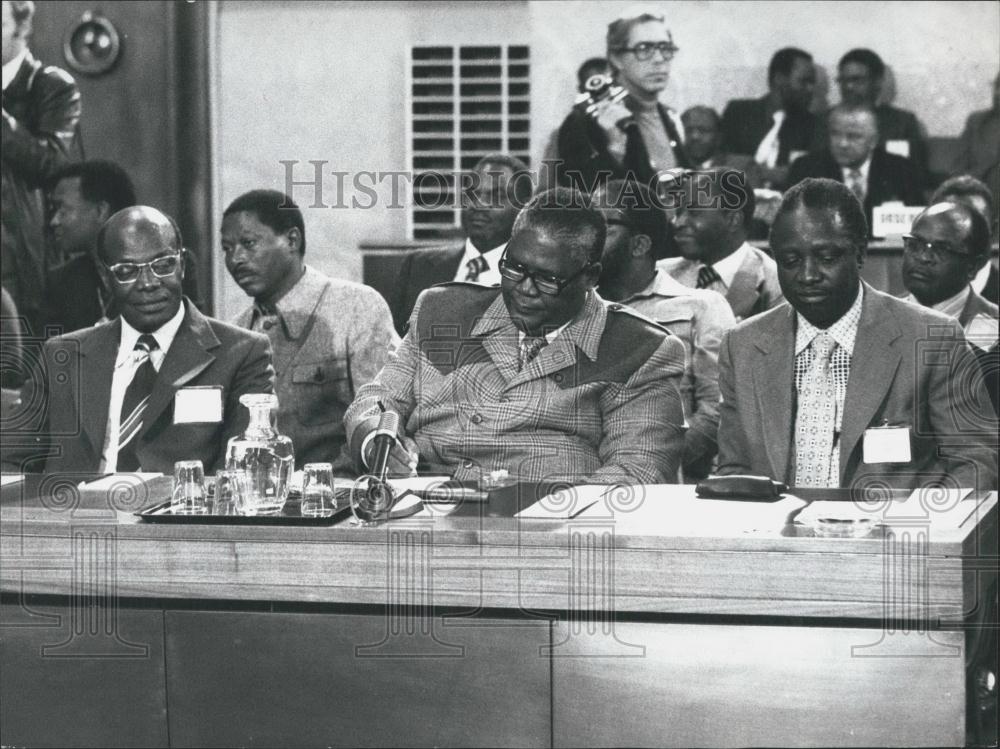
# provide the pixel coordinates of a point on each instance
(266, 457)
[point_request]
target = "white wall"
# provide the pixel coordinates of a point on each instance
(318, 80)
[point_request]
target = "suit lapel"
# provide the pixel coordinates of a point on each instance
(188, 356)
(742, 293)
(873, 369)
(98, 352)
(773, 374)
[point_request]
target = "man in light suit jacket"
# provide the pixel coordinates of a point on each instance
(500, 186)
(964, 188)
(193, 369)
(941, 256)
(540, 377)
(328, 337)
(714, 212)
(845, 386)
(854, 157)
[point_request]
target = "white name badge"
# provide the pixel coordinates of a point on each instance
(893, 219)
(898, 147)
(887, 445)
(198, 405)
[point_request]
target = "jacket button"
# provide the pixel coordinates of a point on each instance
(557, 377)
(268, 324)
(477, 419)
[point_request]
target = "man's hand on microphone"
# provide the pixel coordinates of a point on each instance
(402, 460)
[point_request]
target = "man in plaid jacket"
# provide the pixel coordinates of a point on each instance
(540, 377)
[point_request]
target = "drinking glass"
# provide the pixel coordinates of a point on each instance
(230, 492)
(318, 500)
(188, 497)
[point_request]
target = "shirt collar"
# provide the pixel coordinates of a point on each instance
(730, 265)
(164, 336)
(295, 308)
(953, 306)
(864, 169)
(982, 276)
(584, 330)
(663, 284)
(844, 331)
(11, 68)
(492, 256)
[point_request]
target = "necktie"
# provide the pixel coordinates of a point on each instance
(528, 349)
(816, 420)
(134, 404)
(707, 275)
(856, 182)
(767, 151)
(476, 266)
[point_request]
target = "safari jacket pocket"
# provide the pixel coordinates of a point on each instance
(320, 391)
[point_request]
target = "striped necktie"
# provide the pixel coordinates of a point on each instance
(528, 349)
(707, 275)
(134, 404)
(476, 266)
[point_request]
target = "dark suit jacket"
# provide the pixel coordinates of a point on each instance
(989, 359)
(890, 177)
(44, 103)
(205, 352)
(991, 291)
(910, 367)
(745, 122)
(583, 150)
(420, 270)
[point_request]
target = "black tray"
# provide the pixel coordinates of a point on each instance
(289, 516)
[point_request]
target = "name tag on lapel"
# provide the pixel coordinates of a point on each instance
(887, 444)
(198, 405)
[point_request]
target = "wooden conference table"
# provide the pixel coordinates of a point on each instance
(647, 620)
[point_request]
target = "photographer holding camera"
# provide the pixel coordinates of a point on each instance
(622, 131)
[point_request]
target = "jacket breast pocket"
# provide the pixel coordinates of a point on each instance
(320, 391)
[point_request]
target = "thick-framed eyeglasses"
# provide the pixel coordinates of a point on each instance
(161, 267)
(545, 283)
(936, 251)
(644, 50)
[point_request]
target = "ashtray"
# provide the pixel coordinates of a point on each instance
(842, 527)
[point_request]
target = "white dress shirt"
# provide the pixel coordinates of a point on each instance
(125, 366)
(982, 276)
(729, 266)
(953, 306)
(490, 276)
(10, 69)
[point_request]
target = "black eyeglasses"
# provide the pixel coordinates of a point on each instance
(162, 266)
(545, 283)
(644, 50)
(936, 251)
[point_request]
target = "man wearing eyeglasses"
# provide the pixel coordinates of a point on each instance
(846, 386)
(633, 138)
(541, 377)
(941, 256)
(161, 382)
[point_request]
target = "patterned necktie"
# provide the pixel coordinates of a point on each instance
(476, 266)
(816, 420)
(770, 146)
(856, 181)
(707, 275)
(528, 349)
(134, 403)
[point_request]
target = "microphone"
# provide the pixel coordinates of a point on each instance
(385, 438)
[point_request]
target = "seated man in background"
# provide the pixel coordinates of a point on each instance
(854, 157)
(860, 76)
(703, 141)
(778, 127)
(637, 229)
(500, 186)
(941, 255)
(979, 144)
(161, 382)
(714, 213)
(328, 337)
(965, 188)
(82, 197)
(846, 386)
(540, 377)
